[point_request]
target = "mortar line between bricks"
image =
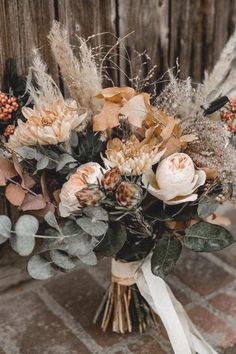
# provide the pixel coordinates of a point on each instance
(216, 260)
(199, 300)
(68, 320)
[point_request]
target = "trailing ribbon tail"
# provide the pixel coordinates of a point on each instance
(183, 335)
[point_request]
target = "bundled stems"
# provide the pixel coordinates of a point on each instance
(124, 309)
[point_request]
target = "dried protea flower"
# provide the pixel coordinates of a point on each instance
(9, 130)
(90, 196)
(111, 179)
(128, 194)
(7, 106)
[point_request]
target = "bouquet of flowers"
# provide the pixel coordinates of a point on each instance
(117, 172)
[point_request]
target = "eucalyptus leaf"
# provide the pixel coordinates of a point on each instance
(165, 255)
(74, 139)
(5, 228)
(64, 160)
(206, 237)
(29, 153)
(89, 259)
(39, 268)
(113, 241)
(78, 245)
(206, 207)
(93, 228)
(62, 260)
(23, 241)
(96, 213)
(42, 163)
(52, 221)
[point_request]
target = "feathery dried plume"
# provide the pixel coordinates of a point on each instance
(80, 75)
(180, 99)
(213, 149)
(45, 91)
(221, 80)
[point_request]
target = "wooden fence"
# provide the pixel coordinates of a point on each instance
(195, 31)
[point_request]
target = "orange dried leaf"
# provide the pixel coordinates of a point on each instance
(210, 173)
(116, 94)
(107, 118)
(137, 109)
(173, 145)
(7, 170)
(15, 194)
(26, 180)
(32, 202)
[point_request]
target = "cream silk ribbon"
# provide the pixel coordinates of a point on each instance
(183, 335)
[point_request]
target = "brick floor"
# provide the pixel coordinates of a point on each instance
(55, 316)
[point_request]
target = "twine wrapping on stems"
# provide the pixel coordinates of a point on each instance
(183, 335)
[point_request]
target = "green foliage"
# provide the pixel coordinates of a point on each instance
(165, 255)
(89, 147)
(23, 241)
(206, 237)
(64, 160)
(96, 213)
(206, 207)
(91, 226)
(113, 241)
(39, 268)
(5, 228)
(89, 259)
(52, 221)
(62, 260)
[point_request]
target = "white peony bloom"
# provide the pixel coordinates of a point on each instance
(176, 180)
(89, 173)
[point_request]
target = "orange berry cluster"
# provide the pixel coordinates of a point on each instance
(229, 115)
(9, 130)
(7, 106)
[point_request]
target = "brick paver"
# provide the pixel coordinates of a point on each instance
(55, 316)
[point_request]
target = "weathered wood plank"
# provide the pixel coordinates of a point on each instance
(24, 24)
(149, 19)
(89, 17)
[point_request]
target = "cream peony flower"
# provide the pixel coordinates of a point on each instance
(133, 157)
(89, 173)
(47, 126)
(176, 180)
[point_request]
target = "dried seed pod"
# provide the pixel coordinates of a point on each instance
(128, 194)
(89, 196)
(111, 179)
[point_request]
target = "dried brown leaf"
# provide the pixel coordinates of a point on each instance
(116, 94)
(15, 194)
(137, 109)
(107, 118)
(32, 202)
(7, 170)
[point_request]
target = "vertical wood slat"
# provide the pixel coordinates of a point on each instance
(150, 22)
(193, 31)
(24, 24)
(89, 17)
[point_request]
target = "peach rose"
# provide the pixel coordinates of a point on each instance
(89, 173)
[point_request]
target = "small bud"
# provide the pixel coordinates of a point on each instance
(128, 194)
(111, 179)
(89, 196)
